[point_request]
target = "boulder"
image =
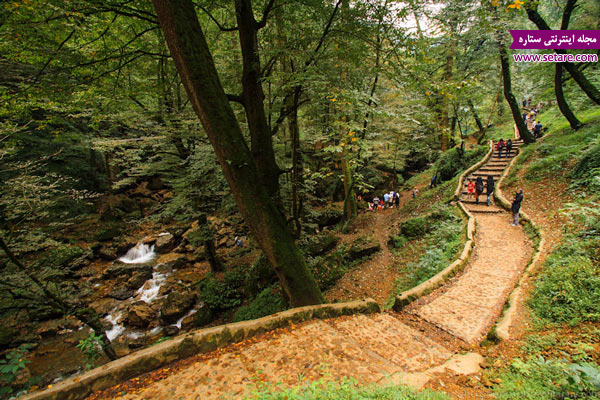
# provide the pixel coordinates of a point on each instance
(107, 253)
(137, 343)
(321, 244)
(7, 334)
(203, 316)
(139, 314)
(120, 269)
(222, 242)
(363, 246)
(120, 293)
(329, 216)
(171, 330)
(165, 243)
(176, 305)
(138, 279)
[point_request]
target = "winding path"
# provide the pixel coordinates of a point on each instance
(406, 347)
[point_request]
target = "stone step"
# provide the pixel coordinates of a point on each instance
(491, 168)
(495, 175)
(482, 200)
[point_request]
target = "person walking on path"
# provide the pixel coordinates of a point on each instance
(397, 200)
(433, 182)
(508, 147)
(489, 188)
(516, 206)
(415, 192)
(500, 147)
(478, 188)
(470, 189)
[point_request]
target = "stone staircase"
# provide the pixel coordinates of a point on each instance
(495, 167)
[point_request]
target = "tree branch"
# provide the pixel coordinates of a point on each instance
(263, 22)
(221, 27)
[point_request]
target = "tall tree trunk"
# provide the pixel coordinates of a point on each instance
(297, 165)
(211, 255)
(508, 94)
(260, 135)
(197, 70)
(588, 88)
(558, 72)
(475, 115)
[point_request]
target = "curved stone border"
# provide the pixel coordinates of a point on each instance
(405, 298)
(502, 327)
(191, 343)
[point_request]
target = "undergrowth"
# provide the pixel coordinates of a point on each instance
(347, 389)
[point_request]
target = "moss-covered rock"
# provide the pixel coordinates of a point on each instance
(176, 305)
(363, 246)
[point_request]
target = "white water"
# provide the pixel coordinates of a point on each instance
(180, 320)
(138, 254)
(117, 329)
(149, 291)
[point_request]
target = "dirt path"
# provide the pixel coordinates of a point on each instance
(374, 278)
(408, 347)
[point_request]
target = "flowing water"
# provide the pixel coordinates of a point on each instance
(139, 254)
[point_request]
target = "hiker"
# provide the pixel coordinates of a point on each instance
(470, 189)
(524, 103)
(537, 129)
(391, 201)
(489, 188)
(433, 182)
(516, 206)
(529, 102)
(524, 117)
(397, 200)
(376, 203)
(478, 188)
(500, 147)
(415, 192)
(508, 147)
(386, 198)
(238, 241)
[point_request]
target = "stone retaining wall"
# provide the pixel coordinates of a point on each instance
(405, 298)
(191, 343)
(502, 327)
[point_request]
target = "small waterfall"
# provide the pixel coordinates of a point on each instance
(149, 291)
(117, 329)
(139, 254)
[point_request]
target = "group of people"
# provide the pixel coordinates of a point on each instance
(530, 118)
(501, 146)
(388, 200)
(477, 188)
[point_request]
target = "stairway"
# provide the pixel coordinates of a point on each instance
(495, 167)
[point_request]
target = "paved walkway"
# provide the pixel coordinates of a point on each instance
(372, 348)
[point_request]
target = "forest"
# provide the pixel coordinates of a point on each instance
(169, 166)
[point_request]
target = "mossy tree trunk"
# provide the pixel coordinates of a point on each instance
(253, 196)
(558, 73)
(588, 88)
(508, 94)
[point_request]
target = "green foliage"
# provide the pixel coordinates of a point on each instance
(548, 379)
(345, 390)
(319, 244)
(219, 295)
(444, 238)
(91, 348)
(586, 172)
(415, 227)
(259, 276)
(452, 162)
(568, 290)
(10, 368)
(268, 302)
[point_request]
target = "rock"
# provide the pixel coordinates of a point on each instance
(107, 233)
(120, 293)
(138, 279)
(363, 246)
(7, 334)
(104, 305)
(139, 314)
(165, 243)
(203, 316)
(176, 305)
(155, 183)
(107, 253)
(329, 216)
(321, 244)
(222, 242)
(140, 191)
(171, 330)
(137, 343)
(119, 269)
(49, 328)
